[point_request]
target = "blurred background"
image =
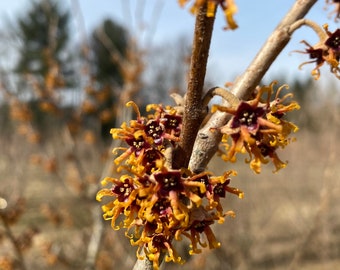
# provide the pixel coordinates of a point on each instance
(66, 70)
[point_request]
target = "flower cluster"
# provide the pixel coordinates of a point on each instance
(327, 50)
(155, 203)
(228, 6)
(258, 128)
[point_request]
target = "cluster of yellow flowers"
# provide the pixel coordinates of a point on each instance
(155, 203)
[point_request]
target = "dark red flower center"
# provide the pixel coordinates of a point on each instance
(334, 41)
(169, 181)
(158, 241)
(161, 206)
(220, 189)
(154, 130)
(137, 144)
(123, 190)
(246, 115)
(248, 118)
(171, 122)
(316, 54)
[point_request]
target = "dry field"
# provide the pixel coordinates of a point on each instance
(288, 220)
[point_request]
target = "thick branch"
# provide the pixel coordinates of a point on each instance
(207, 141)
(193, 113)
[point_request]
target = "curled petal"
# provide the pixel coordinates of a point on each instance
(102, 193)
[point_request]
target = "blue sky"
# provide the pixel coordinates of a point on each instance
(156, 22)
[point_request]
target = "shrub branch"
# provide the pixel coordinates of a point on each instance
(193, 113)
(207, 141)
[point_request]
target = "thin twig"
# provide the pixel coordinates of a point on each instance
(207, 140)
(193, 111)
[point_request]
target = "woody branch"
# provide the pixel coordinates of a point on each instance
(207, 141)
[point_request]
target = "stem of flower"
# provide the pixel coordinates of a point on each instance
(193, 113)
(225, 94)
(316, 28)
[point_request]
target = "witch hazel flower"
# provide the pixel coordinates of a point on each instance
(257, 127)
(326, 50)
